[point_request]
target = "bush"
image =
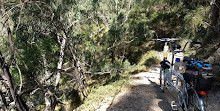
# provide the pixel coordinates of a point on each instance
(147, 60)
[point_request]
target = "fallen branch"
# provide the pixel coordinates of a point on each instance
(98, 73)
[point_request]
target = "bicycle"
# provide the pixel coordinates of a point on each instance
(188, 99)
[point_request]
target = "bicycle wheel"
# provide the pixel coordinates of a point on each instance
(162, 79)
(183, 96)
(195, 103)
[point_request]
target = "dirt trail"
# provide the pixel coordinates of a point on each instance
(145, 95)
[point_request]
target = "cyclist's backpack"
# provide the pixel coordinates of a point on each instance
(199, 75)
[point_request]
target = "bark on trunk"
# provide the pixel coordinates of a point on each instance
(116, 6)
(2, 99)
(215, 12)
(48, 74)
(9, 32)
(51, 101)
(47, 98)
(60, 63)
(48, 102)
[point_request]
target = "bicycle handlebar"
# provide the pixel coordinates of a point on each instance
(176, 39)
(196, 42)
(167, 39)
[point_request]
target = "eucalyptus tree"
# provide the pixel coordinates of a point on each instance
(40, 34)
(57, 41)
(5, 66)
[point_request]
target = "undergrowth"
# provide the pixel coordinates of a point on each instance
(101, 93)
(147, 60)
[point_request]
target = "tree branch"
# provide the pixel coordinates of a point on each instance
(98, 73)
(95, 33)
(115, 45)
(128, 12)
(9, 34)
(21, 83)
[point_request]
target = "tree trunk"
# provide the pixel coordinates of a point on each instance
(5, 66)
(47, 96)
(215, 8)
(48, 74)
(47, 102)
(3, 100)
(213, 31)
(51, 101)
(78, 71)
(60, 62)
(12, 86)
(5, 15)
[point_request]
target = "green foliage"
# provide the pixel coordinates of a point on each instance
(106, 35)
(148, 59)
(194, 21)
(101, 94)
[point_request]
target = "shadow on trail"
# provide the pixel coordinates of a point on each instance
(166, 96)
(143, 97)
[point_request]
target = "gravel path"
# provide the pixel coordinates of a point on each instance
(145, 95)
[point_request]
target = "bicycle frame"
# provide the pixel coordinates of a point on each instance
(168, 73)
(182, 93)
(173, 72)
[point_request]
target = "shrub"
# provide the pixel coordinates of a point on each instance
(147, 60)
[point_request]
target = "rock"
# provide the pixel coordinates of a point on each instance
(211, 59)
(217, 57)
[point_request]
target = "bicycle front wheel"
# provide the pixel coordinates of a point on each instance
(195, 103)
(162, 79)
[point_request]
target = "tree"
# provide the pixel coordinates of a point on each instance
(215, 8)
(5, 66)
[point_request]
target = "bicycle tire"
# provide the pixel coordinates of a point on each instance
(184, 106)
(195, 103)
(181, 101)
(162, 79)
